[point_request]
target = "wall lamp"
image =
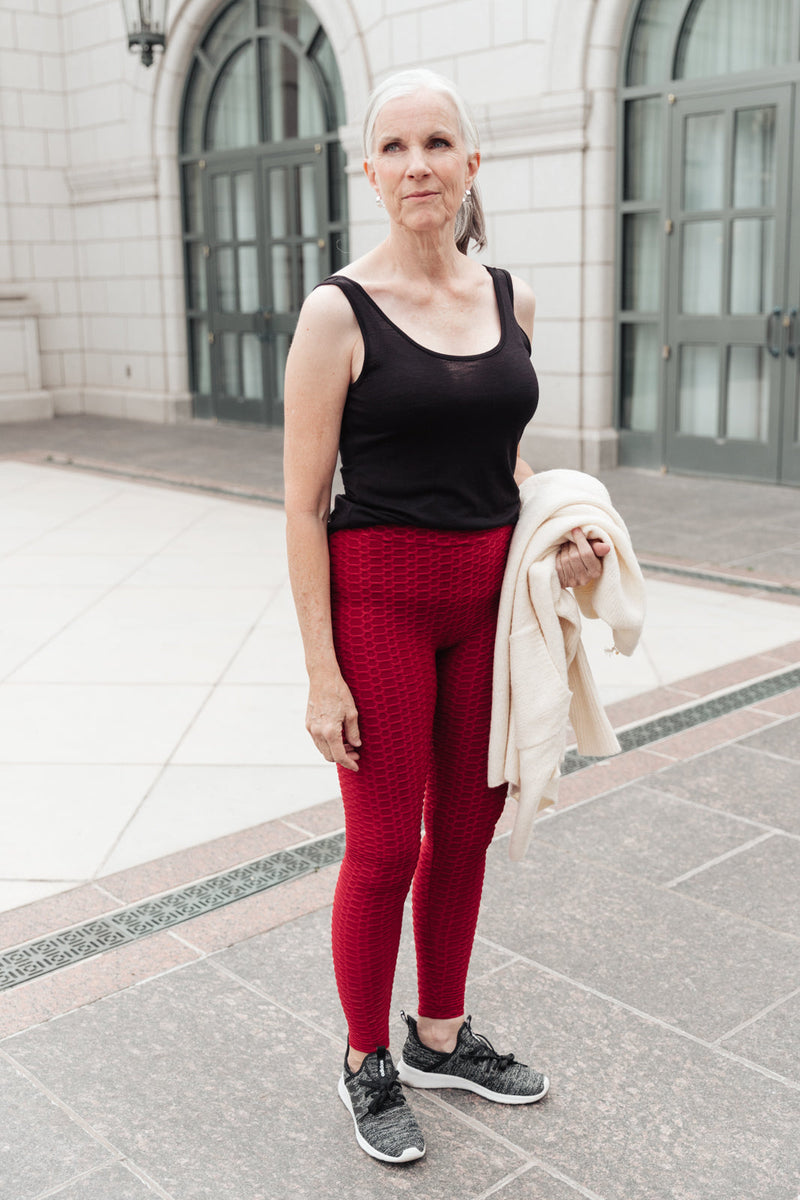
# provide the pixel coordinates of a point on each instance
(146, 22)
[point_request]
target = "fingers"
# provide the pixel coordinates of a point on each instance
(333, 725)
(579, 560)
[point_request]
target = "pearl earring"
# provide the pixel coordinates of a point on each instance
(467, 195)
(379, 200)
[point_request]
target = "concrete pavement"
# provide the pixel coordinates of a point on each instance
(153, 760)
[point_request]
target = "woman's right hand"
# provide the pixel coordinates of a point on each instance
(332, 721)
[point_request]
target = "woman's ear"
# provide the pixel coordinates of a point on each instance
(369, 171)
(473, 162)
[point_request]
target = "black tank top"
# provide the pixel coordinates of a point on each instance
(430, 439)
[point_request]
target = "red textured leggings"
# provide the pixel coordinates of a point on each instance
(414, 617)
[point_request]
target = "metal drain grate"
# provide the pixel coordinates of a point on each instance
(79, 942)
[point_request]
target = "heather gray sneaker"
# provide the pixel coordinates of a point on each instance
(474, 1065)
(385, 1125)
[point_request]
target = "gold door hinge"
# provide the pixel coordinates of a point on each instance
(669, 226)
(321, 243)
(666, 352)
(318, 148)
(211, 339)
(202, 164)
(206, 251)
(671, 98)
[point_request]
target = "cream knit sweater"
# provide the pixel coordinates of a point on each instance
(541, 674)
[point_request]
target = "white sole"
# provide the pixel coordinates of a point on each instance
(408, 1155)
(429, 1079)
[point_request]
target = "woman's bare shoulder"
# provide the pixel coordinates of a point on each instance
(524, 304)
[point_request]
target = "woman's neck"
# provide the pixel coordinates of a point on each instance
(431, 257)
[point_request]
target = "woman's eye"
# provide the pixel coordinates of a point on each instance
(390, 147)
(441, 142)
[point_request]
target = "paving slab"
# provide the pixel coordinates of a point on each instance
(635, 1111)
(214, 1091)
(773, 1040)
(661, 952)
(741, 780)
(293, 966)
(761, 882)
(644, 833)
(109, 1183)
(40, 1145)
(783, 739)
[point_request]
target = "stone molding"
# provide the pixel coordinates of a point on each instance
(129, 179)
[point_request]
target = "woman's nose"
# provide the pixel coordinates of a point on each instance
(417, 162)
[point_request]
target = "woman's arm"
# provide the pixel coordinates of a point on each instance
(318, 371)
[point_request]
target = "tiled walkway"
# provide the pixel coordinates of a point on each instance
(646, 953)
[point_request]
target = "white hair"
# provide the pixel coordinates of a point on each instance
(470, 223)
(405, 83)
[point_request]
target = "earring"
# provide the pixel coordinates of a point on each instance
(467, 195)
(379, 199)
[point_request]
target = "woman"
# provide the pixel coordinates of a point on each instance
(414, 361)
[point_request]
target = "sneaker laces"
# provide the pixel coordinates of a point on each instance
(387, 1089)
(485, 1052)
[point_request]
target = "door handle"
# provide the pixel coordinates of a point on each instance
(790, 322)
(773, 319)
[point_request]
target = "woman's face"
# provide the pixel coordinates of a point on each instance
(420, 165)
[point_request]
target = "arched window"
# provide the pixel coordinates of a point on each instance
(707, 250)
(264, 197)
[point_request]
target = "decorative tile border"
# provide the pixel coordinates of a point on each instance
(655, 730)
(39, 957)
(62, 949)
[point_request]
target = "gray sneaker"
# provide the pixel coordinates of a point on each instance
(385, 1125)
(474, 1065)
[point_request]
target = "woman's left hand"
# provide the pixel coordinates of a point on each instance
(580, 560)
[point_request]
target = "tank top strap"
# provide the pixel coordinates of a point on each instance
(504, 288)
(364, 311)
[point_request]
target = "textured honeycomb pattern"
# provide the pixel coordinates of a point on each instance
(414, 616)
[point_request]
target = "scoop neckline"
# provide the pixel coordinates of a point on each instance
(494, 276)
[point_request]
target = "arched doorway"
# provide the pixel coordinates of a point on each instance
(709, 237)
(263, 198)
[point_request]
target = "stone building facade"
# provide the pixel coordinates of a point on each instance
(139, 276)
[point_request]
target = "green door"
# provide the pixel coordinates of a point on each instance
(790, 464)
(727, 369)
(266, 251)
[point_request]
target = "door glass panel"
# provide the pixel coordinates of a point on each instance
(325, 61)
(282, 343)
(248, 278)
(723, 36)
(199, 356)
(292, 17)
(698, 391)
(651, 44)
(223, 217)
(197, 276)
(704, 163)
(194, 111)
(754, 158)
(281, 279)
(233, 112)
(309, 218)
(701, 267)
(641, 368)
(752, 264)
(252, 381)
(643, 149)
(226, 280)
(193, 199)
(312, 269)
(279, 202)
(229, 363)
(641, 281)
(747, 414)
(232, 27)
(244, 191)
